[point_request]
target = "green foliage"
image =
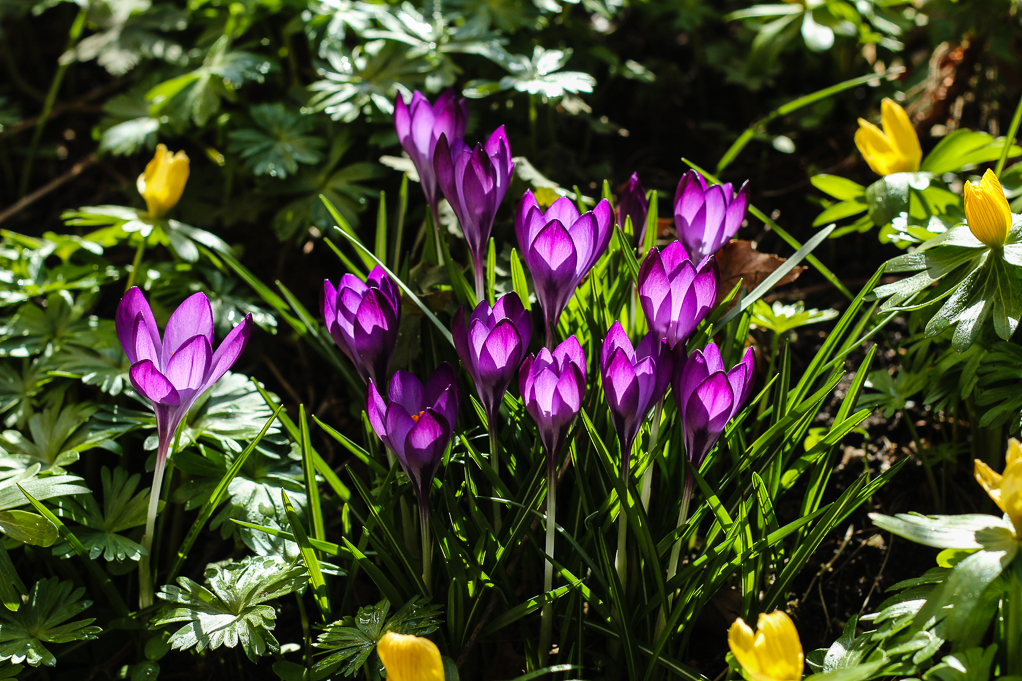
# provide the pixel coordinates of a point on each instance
(41, 619)
(103, 527)
(278, 142)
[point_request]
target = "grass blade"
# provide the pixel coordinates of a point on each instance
(316, 580)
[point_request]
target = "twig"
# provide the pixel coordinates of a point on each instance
(283, 381)
(876, 580)
(76, 170)
(830, 563)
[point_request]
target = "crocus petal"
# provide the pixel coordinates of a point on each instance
(570, 351)
(616, 339)
(229, 351)
(375, 332)
(145, 347)
(398, 423)
(441, 393)
(193, 317)
(187, 369)
(153, 385)
(500, 354)
(376, 410)
(406, 390)
(131, 306)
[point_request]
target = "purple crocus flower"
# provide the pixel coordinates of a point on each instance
(419, 125)
(675, 294)
(362, 317)
(633, 380)
(560, 247)
(633, 205)
(492, 345)
(173, 372)
(708, 396)
(707, 217)
(474, 181)
(552, 386)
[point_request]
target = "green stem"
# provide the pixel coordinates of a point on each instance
(495, 463)
(1010, 139)
(426, 548)
(1014, 631)
(136, 262)
(622, 535)
(654, 436)
(435, 213)
(145, 572)
(479, 270)
(672, 569)
(547, 615)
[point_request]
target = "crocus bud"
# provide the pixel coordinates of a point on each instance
(415, 422)
(410, 658)
(560, 247)
(474, 182)
(633, 381)
(173, 372)
(987, 211)
(492, 345)
(675, 294)
(552, 386)
(362, 317)
(894, 149)
(633, 205)
(163, 181)
(707, 217)
(420, 124)
(773, 652)
(708, 396)
(1005, 488)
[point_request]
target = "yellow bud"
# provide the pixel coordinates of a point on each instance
(163, 181)
(773, 652)
(987, 210)
(409, 658)
(895, 149)
(1005, 488)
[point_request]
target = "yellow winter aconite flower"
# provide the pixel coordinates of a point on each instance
(773, 652)
(163, 180)
(1005, 488)
(895, 149)
(987, 210)
(409, 658)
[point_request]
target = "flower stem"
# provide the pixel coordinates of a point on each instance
(1014, 630)
(551, 342)
(495, 462)
(145, 573)
(547, 615)
(426, 548)
(435, 211)
(479, 270)
(136, 263)
(621, 563)
(672, 569)
(654, 436)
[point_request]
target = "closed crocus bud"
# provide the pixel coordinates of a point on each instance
(416, 421)
(675, 294)
(708, 396)
(419, 126)
(707, 217)
(771, 653)
(163, 181)
(474, 181)
(552, 386)
(987, 211)
(409, 658)
(633, 205)
(560, 247)
(895, 148)
(1005, 488)
(362, 317)
(633, 381)
(492, 345)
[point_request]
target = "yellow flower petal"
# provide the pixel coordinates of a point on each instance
(163, 181)
(987, 211)
(742, 640)
(773, 653)
(410, 658)
(875, 147)
(989, 480)
(1014, 453)
(902, 134)
(1005, 489)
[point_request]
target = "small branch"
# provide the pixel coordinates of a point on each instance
(76, 170)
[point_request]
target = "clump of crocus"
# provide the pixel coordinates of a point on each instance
(474, 181)
(1005, 488)
(560, 247)
(633, 204)
(987, 210)
(410, 658)
(707, 217)
(172, 372)
(163, 181)
(419, 126)
(362, 317)
(416, 423)
(894, 149)
(675, 294)
(552, 386)
(771, 653)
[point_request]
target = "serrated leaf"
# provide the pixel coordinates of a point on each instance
(43, 618)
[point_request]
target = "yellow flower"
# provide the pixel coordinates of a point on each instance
(894, 149)
(410, 658)
(163, 181)
(987, 210)
(773, 652)
(1005, 488)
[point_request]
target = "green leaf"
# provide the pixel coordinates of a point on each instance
(518, 280)
(964, 147)
(316, 580)
(279, 142)
(889, 196)
(122, 510)
(43, 618)
(838, 187)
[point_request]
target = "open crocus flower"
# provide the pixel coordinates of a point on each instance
(894, 149)
(675, 294)
(771, 653)
(552, 386)
(708, 396)
(419, 125)
(987, 210)
(707, 217)
(560, 247)
(492, 345)
(1005, 488)
(474, 181)
(362, 317)
(633, 381)
(410, 658)
(633, 205)
(163, 181)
